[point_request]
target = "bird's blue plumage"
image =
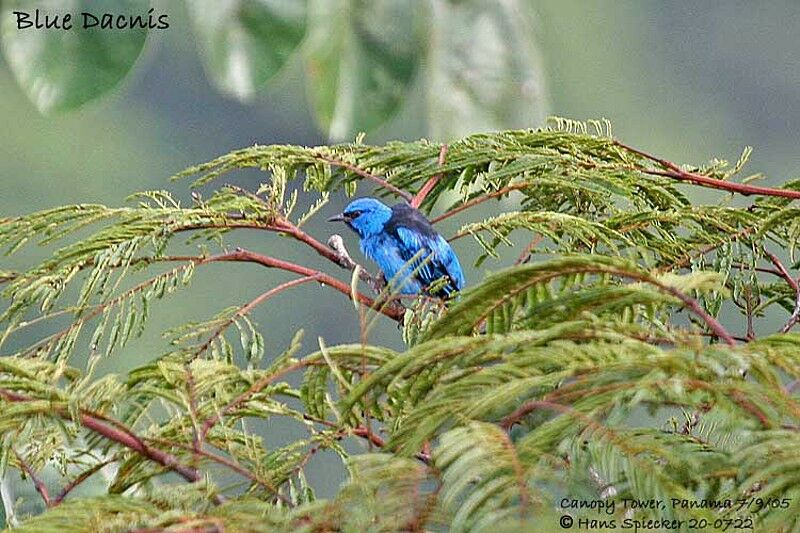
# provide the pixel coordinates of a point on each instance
(409, 252)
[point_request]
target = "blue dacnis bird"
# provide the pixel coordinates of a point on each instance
(409, 252)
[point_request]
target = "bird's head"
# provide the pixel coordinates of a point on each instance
(365, 216)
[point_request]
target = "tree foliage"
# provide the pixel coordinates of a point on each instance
(362, 60)
(624, 354)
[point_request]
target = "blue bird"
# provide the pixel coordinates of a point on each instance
(409, 252)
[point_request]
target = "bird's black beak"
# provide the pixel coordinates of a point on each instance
(337, 218)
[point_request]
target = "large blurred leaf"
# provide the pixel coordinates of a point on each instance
(246, 42)
(2, 514)
(361, 58)
(485, 72)
(63, 69)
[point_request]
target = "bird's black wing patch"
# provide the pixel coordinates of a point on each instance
(414, 233)
(403, 215)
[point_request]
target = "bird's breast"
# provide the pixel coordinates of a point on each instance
(378, 247)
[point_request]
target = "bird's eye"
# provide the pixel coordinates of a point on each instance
(353, 214)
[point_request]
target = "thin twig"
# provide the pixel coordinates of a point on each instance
(568, 393)
(41, 488)
(243, 255)
(197, 440)
(794, 318)
(705, 251)
(98, 309)
(361, 431)
(795, 286)
(377, 441)
(479, 200)
(431, 183)
(233, 465)
(742, 266)
(687, 301)
(334, 252)
(364, 174)
(519, 472)
(250, 195)
(675, 172)
(83, 476)
(118, 433)
(246, 256)
(239, 255)
(254, 389)
(363, 330)
(528, 407)
(692, 304)
(526, 253)
(783, 272)
(249, 306)
(286, 227)
(281, 225)
(750, 331)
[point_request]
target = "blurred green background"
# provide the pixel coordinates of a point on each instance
(683, 79)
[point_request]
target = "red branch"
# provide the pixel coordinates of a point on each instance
(191, 394)
(675, 172)
(479, 200)
(692, 304)
(293, 231)
(41, 488)
(672, 171)
(233, 465)
(375, 440)
(286, 227)
(364, 174)
(431, 183)
(247, 256)
(528, 250)
(705, 251)
(783, 273)
(528, 407)
(118, 433)
(396, 313)
(245, 309)
(83, 476)
(330, 252)
(237, 402)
